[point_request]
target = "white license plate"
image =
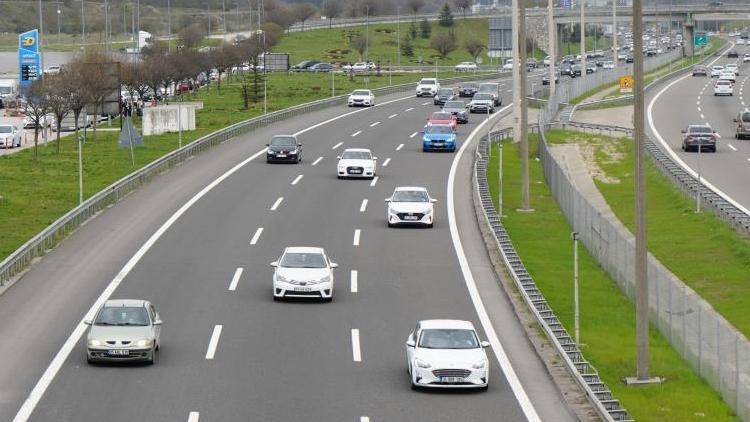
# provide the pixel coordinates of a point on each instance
(118, 352)
(355, 171)
(411, 217)
(451, 380)
(438, 144)
(281, 155)
(302, 289)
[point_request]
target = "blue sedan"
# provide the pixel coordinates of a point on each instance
(438, 138)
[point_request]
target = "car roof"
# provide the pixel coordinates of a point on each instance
(124, 302)
(304, 249)
(446, 323)
(357, 150)
(410, 188)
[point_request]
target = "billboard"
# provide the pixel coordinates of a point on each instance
(28, 57)
(501, 33)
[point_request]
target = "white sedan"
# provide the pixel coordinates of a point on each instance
(10, 136)
(446, 354)
(723, 87)
(746, 58)
(466, 67)
(733, 67)
(716, 71)
(361, 97)
(410, 205)
(303, 272)
(356, 162)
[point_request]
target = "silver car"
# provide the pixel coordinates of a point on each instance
(124, 330)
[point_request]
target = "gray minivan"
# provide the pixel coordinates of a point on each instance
(492, 88)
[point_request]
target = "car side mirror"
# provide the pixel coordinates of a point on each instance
(433, 200)
(338, 157)
(485, 344)
(374, 158)
(275, 264)
(411, 343)
(87, 322)
(299, 145)
(157, 322)
(387, 199)
(683, 131)
(268, 145)
(734, 120)
(334, 265)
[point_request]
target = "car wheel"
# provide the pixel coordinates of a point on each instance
(414, 386)
(429, 226)
(389, 224)
(485, 388)
(328, 299)
(89, 360)
(276, 298)
(152, 359)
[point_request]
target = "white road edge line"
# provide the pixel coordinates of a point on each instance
(41, 386)
(374, 124)
(356, 352)
(317, 160)
(256, 236)
(356, 133)
(354, 281)
(385, 163)
(236, 279)
(515, 384)
(357, 234)
(276, 204)
(413, 134)
(732, 147)
(363, 207)
(398, 148)
(427, 103)
(214, 342)
(374, 181)
(297, 179)
(194, 417)
(337, 145)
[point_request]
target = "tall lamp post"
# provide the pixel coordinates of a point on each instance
(583, 38)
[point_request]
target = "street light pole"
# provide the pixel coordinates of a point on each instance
(551, 30)
(224, 16)
(367, 37)
(169, 25)
(83, 26)
(583, 38)
(576, 309)
(39, 42)
(614, 32)
(80, 170)
(398, 34)
(524, 123)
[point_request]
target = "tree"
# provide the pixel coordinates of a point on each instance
(413, 30)
(36, 108)
(57, 101)
(425, 30)
(225, 58)
(100, 82)
(474, 47)
(191, 36)
(303, 12)
(406, 47)
(281, 15)
(332, 9)
(446, 16)
(414, 6)
(72, 80)
(444, 44)
(359, 43)
(463, 5)
(273, 33)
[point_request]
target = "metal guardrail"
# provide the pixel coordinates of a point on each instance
(599, 395)
(48, 238)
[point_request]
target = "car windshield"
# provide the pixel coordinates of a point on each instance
(427, 82)
(123, 315)
(283, 141)
(303, 260)
(482, 96)
(6, 129)
(469, 86)
(445, 92)
(718, 68)
(700, 129)
(487, 88)
(746, 117)
(439, 129)
(361, 92)
(454, 104)
(448, 339)
(356, 155)
(441, 116)
(410, 196)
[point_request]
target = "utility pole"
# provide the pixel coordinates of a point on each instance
(39, 42)
(524, 123)
(398, 34)
(224, 16)
(169, 25)
(59, 12)
(552, 49)
(614, 32)
(583, 38)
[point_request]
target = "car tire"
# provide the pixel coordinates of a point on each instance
(152, 359)
(429, 226)
(389, 224)
(485, 388)
(414, 387)
(328, 299)
(276, 298)
(89, 360)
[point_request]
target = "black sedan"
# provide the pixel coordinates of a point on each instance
(468, 90)
(733, 54)
(545, 79)
(284, 148)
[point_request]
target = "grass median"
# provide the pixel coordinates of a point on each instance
(542, 239)
(35, 194)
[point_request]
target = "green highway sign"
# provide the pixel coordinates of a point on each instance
(700, 39)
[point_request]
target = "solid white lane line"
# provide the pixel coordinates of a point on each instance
(214, 342)
(337, 145)
(398, 148)
(356, 352)
(41, 386)
(385, 163)
(357, 233)
(356, 133)
(732, 147)
(363, 207)
(297, 179)
(194, 417)
(428, 102)
(409, 109)
(374, 124)
(256, 236)
(393, 115)
(413, 134)
(276, 204)
(497, 348)
(354, 281)
(317, 160)
(374, 181)
(235, 279)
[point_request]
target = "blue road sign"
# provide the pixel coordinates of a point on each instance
(28, 57)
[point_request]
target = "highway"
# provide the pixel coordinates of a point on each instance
(690, 100)
(198, 241)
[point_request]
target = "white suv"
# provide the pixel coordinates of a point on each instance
(428, 86)
(723, 87)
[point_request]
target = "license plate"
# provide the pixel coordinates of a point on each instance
(281, 155)
(451, 380)
(355, 171)
(302, 289)
(411, 217)
(437, 144)
(118, 352)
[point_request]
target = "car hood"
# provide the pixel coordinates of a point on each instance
(454, 110)
(119, 333)
(302, 274)
(439, 136)
(356, 163)
(359, 97)
(447, 358)
(419, 207)
(440, 122)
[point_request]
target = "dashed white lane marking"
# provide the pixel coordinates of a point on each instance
(235, 279)
(356, 351)
(409, 109)
(398, 148)
(364, 419)
(428, 102)
(748, 159)
(374, 124)
(732, 147)
(317, 160)
(413, 134)
(393, 115)
(698, 102)
(743, 103)
(385, 163)
(699, 109)
(337, 145)
(354, 281)
(256, 236)
(702, 117)
(356, 133)
(297, 179)
(214, 342)
(363, 207)
(357, 233)
(276, 204)
(374, 181)
(194, 417)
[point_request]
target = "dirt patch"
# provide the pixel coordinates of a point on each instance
(608, 150)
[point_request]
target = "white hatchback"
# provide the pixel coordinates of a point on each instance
(716, 71)
(356, 162)
(733, 67)
(410, 205)
(303, 272)
(723, 87)
(444, 353)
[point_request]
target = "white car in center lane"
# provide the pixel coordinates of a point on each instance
(303, 272)
(444, 353)
(356, 162)
(723, 87)
(410, 205)
(733, 67)
(361, 97)
(716, 71)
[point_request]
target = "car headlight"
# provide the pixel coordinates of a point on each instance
(280, 277)
(422, 364)
(96, 343)
(479, 365)
(143, 343)
(391, 211)
(325, 279)
(292, 152)
(271, 152)
(428, 212)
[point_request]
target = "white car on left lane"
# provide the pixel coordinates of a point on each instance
(10, 136)
(356, 162)
(361, 97)
(124, 330)
(303, 272)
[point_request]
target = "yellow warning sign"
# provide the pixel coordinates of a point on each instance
(626, 84)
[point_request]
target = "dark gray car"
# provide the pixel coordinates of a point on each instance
(458, 109)
(468, 90)
(443, 95)
(284, 148)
